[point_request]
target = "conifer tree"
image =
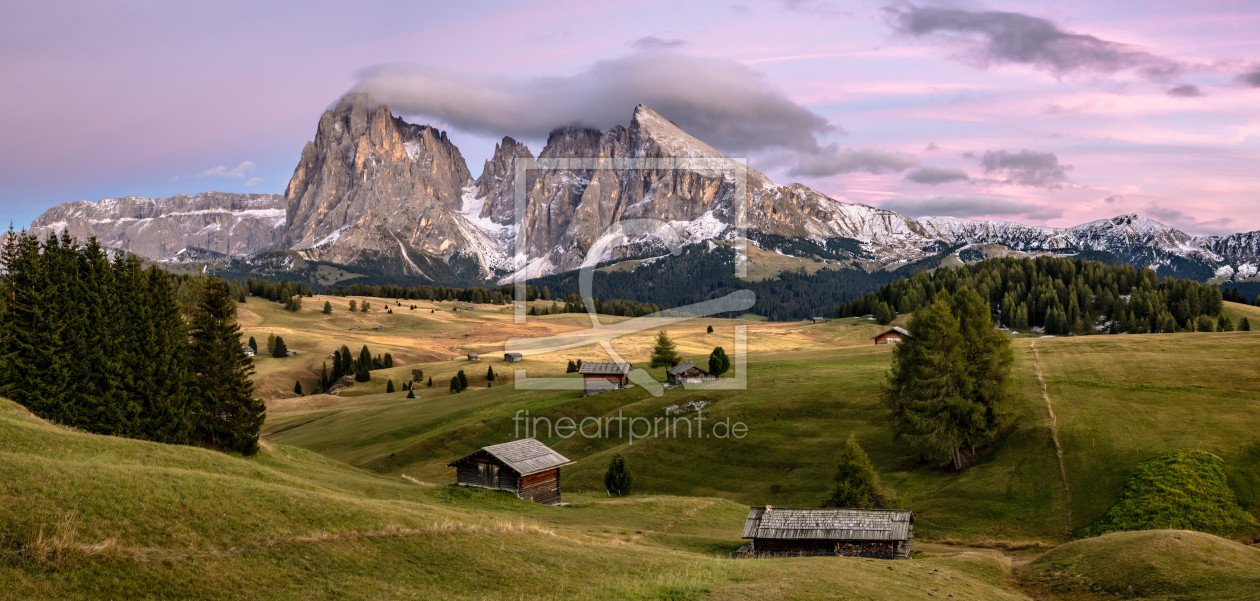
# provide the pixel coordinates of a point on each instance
(365, 358)
(489, 373)
(411, 394)
(388, 361)
(719, 363)
(327, 308)
(364, 307)
(463, 380)
(710, 329)
(664, 353)
(417, 375)
(430, 381)
(297, 388)
(1224, 324)
(230, 415)
(947, 389)
(389, 386)
(271, 344)
(856, 483)
(253, 344)
(571, 367)
(324, 383)
(352, 305)
(280, 350)
(618, 480)
(455, 388)
(162, 385)
(1244, 325)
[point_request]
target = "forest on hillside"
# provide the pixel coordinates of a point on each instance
(1060, 296)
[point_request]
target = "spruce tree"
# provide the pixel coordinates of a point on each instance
(489, 373)
(389, 386)
(664, 354)
(571, 367)
(297, 388)
(230, 416)
(253, 344)
(430, 381)
(1224, 324)
(719, 363)
(1244, 325)
(618, 480)
(463, 380)
(280, 350)
(856, 483)
(388, 361)
(365, 358)
(327, 308)
(163, 385)
(411, 394)
(947, 389)
(710, 329)
(455, 388)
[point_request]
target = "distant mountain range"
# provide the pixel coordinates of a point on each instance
(375, 194)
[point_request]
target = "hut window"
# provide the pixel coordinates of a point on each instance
(489, 475)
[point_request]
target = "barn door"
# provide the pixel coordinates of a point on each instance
(489, 475)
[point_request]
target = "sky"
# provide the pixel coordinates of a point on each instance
(1047, 114)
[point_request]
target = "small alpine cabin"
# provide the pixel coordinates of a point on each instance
(474, 357)
(818, 320)
(687, 373)
(527, 468)
(892, 336)
(513, 357)
(600, 377)
(830, 531)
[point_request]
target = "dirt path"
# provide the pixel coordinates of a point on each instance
(1054, 433)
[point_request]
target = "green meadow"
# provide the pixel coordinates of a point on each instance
(350, 497)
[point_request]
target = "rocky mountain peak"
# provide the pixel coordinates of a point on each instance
(661, 137)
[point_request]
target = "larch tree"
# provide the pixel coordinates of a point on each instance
(664, 353)
(856, 482)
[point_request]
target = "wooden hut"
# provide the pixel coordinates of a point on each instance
(513, 357)
(819, 319)
(378, 328)
(600, 377)
(526, 468)
(474, 357)
(687, 373)
(892, 336)
(873, 533)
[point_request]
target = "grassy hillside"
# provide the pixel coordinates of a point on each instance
(1119, 400)
(88, 516)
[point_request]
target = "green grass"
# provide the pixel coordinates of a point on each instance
(93, 517)
(1156, 565)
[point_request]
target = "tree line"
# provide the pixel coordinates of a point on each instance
(1058, 296)
(106, 346)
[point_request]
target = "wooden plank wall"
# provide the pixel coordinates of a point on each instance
(543, 487)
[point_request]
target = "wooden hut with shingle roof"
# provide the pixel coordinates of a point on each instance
(606, 376)
(893, 336)
(874, 533)
(527, 468)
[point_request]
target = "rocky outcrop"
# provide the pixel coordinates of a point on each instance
(374, 186)
(162, 229)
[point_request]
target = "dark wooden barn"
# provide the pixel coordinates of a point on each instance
(527, 468)
(873, 533)
(600, 377)
(687, 373)
(892, 336)
(513, 357)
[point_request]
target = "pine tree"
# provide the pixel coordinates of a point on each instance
(857, 485)
(455, 384)
(411, 394)
(1224, 324)
(430, 381)
(618, 480)
(664, 353)
(389, 386)
(1245, 325)
(253, 344)
(280, 350)
(710, 329)
(324, 381)
(230, 415)
(388, 361)
(571, 367)
(271, 344)
(417, 375)
(297, 388)
(463, 380)
(947, 389)
(327, 308)
(719, 363)
(489, 373)
(163, 386)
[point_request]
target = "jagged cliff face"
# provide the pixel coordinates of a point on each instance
(372, 186)
(163, 229)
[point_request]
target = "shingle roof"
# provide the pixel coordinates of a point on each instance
(683, 367)
(607, 368)
(828, 524)
(897, 330)
(526, 456)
